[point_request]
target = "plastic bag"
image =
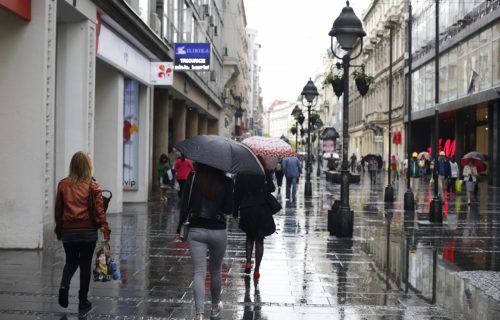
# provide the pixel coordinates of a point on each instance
(458, 185)
(105, 268)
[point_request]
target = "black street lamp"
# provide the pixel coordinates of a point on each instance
(436, 207)
(310, 94)
(409, 198)
(389, 190)
(347, 28)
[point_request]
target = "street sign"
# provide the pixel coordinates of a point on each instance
(192, 56)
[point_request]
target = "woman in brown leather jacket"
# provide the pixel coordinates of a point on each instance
(77, 227)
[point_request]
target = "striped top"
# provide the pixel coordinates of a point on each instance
(79, 235)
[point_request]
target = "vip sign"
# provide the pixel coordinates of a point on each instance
(192, 56)
(162, 73)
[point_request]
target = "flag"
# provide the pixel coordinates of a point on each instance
(472, 83)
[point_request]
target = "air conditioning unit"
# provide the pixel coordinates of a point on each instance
(155, 23)
(206, 10)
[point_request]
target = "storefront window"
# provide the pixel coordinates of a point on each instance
(461, 77)
(485, 67)
(443, 78)
(452, 74)
(429, 85)
(415, 91)
(496, 63)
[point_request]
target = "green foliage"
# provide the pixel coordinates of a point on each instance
(314, 118)
(361, 75)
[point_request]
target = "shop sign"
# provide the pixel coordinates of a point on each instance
(21, 8)
(162, 73)
(379, 139)
(192, 56)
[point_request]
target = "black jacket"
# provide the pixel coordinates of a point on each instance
(203, 212)
(250, 191)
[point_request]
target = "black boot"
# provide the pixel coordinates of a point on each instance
(63, 297)
(84, 306)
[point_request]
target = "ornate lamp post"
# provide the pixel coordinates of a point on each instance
(347, 28)
(389, 190)
(310, 94)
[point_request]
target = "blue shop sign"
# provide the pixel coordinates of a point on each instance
(192, 56)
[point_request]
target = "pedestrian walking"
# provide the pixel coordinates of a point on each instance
(444, 173)
(414, 168)
(292, 170)
(173, 155)
(77, 227)
(372, 169)
(353, 162)
(256, 218)
(454, 173)
(470, 177)
(163, 168)
(394, 168)
(278, 172)
(205, 204)
(183, 167)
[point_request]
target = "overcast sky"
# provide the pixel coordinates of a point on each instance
(294, 37)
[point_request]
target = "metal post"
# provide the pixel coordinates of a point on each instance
(436, 208)
(318, 170)
(346, 228)
(409, 198)
(308, 187)
(389, 190)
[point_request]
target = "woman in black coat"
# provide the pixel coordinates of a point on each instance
(256, 218)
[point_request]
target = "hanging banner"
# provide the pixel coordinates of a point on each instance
(192, 56)
(131, 135)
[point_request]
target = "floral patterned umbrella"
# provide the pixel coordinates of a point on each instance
(271, 149)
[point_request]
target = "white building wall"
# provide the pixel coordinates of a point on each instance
(27, 64)
(75, 92)
(108, 148)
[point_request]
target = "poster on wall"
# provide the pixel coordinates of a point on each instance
(130, 135)
(162, 73)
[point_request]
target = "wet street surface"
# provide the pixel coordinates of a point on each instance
(395, 267)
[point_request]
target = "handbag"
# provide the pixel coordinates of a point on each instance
(273, 204)
(103, 269)
(92, 204)
(458, 185)
(184, 230)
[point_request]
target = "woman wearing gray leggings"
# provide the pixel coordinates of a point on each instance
(206, 201)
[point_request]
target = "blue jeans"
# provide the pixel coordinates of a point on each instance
(199, 241)
(291, 183)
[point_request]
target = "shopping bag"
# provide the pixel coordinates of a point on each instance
(458, 185)
(105, 268)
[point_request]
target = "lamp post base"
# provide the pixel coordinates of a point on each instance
(308, 188)
(409, 201)
(340, 221)
(389, 193)
(436, 210)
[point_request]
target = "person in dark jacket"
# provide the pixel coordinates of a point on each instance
(77, 227)
(444, 173)
(206, 200)
(279, 173)
(256, 219)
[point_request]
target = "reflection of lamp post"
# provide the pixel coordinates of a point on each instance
(319, 125)
(389, 190)
(297, 114)
(347, 28)
(310, 93)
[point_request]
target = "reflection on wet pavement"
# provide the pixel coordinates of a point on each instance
(305, 274)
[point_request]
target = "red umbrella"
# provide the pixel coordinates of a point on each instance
(480, 165)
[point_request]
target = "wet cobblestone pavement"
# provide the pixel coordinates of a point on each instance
(305, 274)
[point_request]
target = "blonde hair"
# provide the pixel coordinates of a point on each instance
(80, 167)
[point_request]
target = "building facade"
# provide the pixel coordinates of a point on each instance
(255, 108)
(465, 74)
(91, 67)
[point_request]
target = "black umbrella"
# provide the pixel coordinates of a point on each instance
(221, 153)
(477, 155)
(372, 156)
